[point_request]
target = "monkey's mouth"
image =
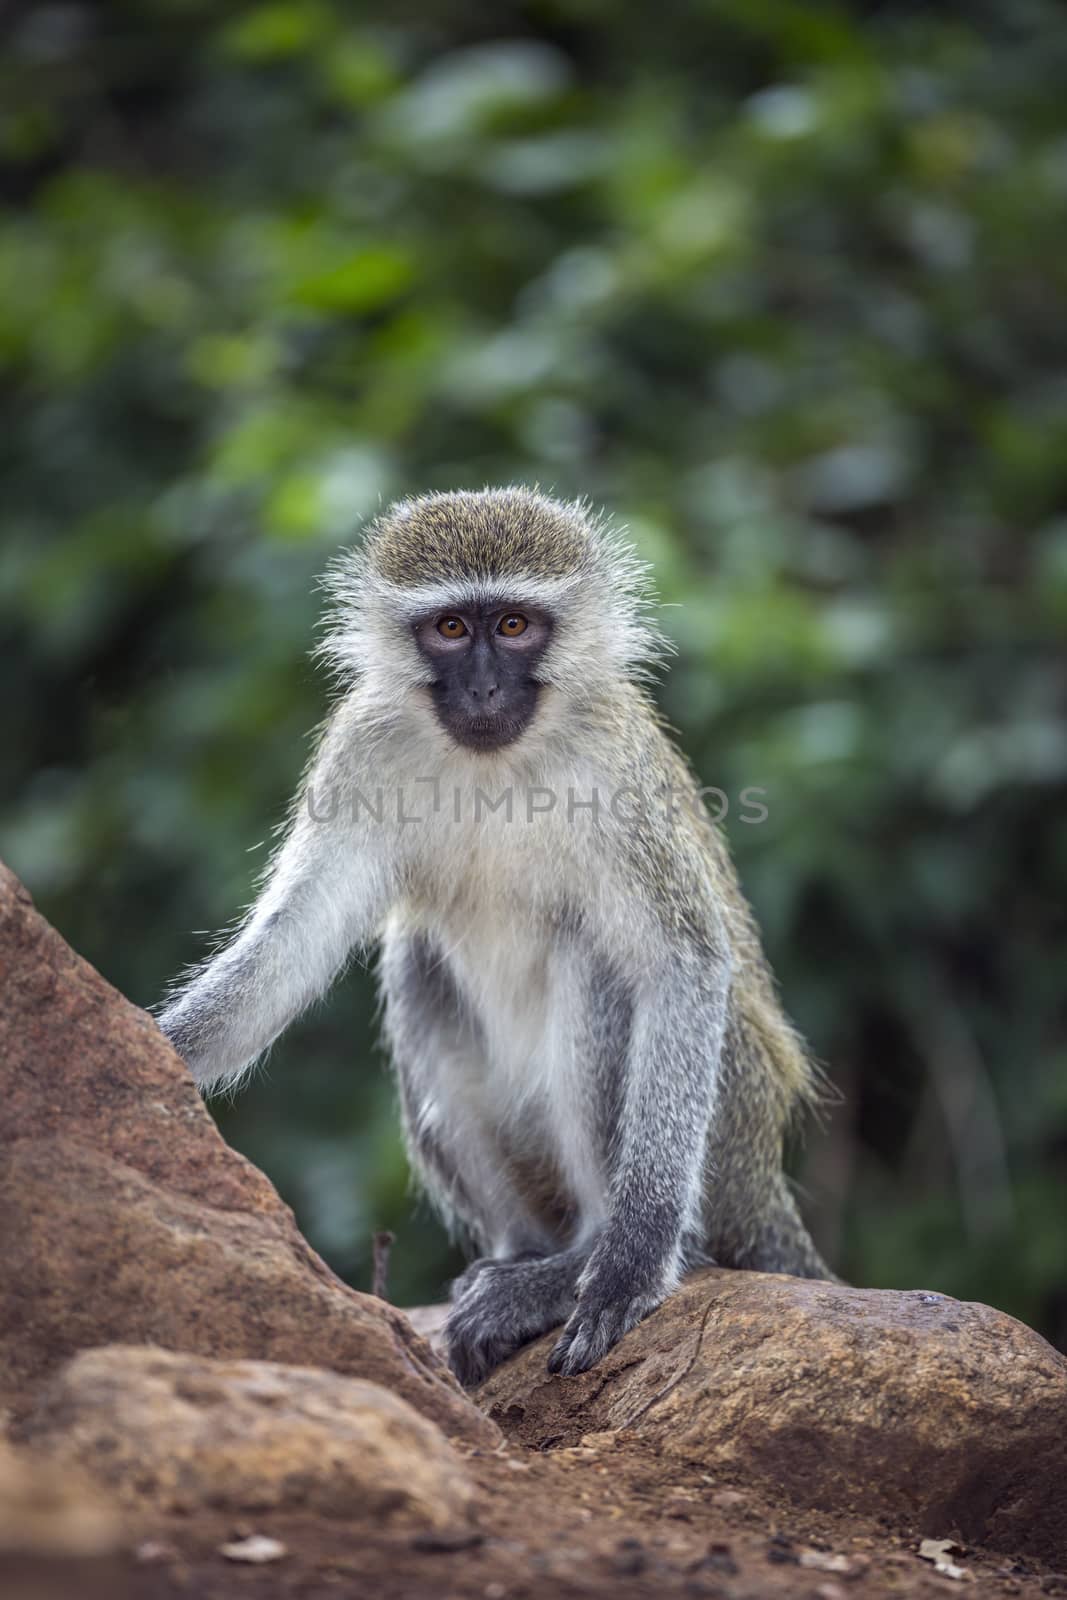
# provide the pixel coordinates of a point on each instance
(485, 733)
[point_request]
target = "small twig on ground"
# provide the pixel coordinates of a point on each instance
(381, 1244)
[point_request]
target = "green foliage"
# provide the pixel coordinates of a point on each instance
(783, 285)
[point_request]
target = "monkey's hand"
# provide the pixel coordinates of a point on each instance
(615, 1292)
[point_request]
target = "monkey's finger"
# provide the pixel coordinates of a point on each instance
(584, 1340)
(584, 1350)
(562, 1346)
(590, 1334)
(560, 1352)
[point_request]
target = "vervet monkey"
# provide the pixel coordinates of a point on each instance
(595, 1074)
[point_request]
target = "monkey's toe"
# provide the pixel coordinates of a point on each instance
(477, 1342)
(501, 1306)
(494, 1268)
(469, 1362)
(468, 1278)
(473, 1349)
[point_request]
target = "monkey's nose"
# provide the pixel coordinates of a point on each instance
(489, 692)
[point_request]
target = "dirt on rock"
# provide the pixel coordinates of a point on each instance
(582, 1523)
(48, 1509)
(915, 1406)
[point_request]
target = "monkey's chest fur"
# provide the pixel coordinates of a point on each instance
(505, 1054)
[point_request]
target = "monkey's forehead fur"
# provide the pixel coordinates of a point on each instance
(492, 533)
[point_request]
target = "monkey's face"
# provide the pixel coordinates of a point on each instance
(487, 619)
(484, 659)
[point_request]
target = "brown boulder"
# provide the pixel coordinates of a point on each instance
(944, 1416)
(126, 1218)
(178, 1433)
(50, 1512)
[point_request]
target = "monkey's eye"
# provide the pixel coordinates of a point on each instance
(512, 626)
(451, 628)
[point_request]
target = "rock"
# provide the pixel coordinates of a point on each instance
(178, 1433)
(430, 1322)
(50, 1512)
(939, 1414)
(256, 1550)
(126, 1218)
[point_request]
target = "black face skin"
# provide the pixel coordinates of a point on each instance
(484, 660)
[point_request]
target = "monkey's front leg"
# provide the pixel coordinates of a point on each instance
(325, 893)
(656, 1189)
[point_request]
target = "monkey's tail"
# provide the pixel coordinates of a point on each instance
(775, 1239)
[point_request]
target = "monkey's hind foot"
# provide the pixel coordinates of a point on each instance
(498, 1306)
